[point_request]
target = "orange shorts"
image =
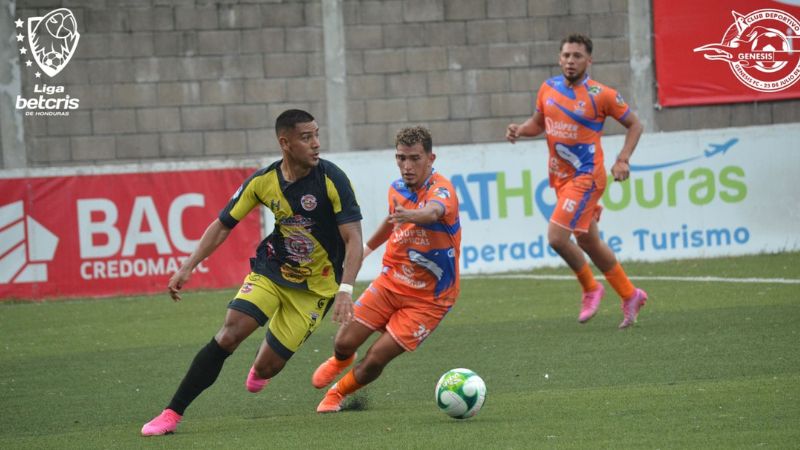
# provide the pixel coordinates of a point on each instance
(578, 204)
(409, 320)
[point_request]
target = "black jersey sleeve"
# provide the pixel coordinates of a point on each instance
(341, 194)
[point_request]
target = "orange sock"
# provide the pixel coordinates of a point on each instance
(343, 362)
(586, 278)
(620, 282)
(348, 384)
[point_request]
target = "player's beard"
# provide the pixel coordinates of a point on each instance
(574, 78)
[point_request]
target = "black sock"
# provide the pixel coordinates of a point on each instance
(204, 370)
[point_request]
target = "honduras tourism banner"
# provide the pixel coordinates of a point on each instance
(111, 234)
(691, 194)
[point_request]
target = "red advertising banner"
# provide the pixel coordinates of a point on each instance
(103, 235)
(730, 51)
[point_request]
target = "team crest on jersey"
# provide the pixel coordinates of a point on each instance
(594, 90)
(580, 107)
(308, 202)
(442, 192)
(246, 288)
(299, 247)
(620, 100)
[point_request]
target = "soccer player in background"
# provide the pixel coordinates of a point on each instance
(419, 281)
(308, 263)
(571, 109)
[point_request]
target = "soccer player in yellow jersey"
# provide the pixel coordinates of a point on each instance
(306, 265)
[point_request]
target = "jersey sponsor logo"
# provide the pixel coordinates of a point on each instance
(442, 192)
(308, 202)
(594, 90)
(421, 333)
(297, 221)
(25, 246)
(409, 280)
(758, 51)
(560, 129)
(295, 274)
(410, 236)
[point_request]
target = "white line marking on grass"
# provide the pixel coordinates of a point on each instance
(656, 278)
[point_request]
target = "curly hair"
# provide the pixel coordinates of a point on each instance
(415, 135)
(578, 39)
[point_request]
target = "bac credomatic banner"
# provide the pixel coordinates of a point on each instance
(100, 235)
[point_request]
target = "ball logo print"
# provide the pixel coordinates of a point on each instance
(460, 393)
(53, 39)
(760, 49)
(25, 246)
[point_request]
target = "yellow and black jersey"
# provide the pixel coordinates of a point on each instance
(305, 250)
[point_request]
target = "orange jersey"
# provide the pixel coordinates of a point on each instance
(422, 260)
(574, 118)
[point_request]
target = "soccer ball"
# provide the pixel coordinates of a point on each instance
(460, 393)
(771, 41)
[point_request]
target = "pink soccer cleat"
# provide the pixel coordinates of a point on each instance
(164, 423)
(332, 402)
(590, 302)
(631, 307)
(253, 383)
(329, 370)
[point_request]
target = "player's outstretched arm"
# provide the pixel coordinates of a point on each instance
(621, 168)
(380, 236)
(353, 244)
(432, 212)
(213, 237)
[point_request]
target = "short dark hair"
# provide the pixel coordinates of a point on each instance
(291, 117)
(414, 135)
(578, 39)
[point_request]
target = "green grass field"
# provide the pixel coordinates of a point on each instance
(709, 365)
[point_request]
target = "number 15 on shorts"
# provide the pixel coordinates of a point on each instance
(569, 205)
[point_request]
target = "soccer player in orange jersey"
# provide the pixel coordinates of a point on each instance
(571, 109)
(419, 281)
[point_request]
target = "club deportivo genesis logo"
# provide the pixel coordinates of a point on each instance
(760, 49)
(50, 42)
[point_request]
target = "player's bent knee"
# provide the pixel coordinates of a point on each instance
(230, 338)
(345, 346)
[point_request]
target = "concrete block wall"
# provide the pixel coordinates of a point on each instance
(177, 79)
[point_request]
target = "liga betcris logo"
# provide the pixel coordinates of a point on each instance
(759, 48)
